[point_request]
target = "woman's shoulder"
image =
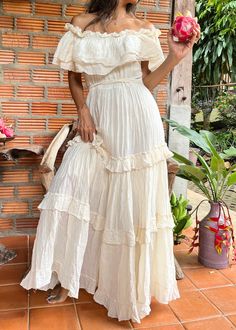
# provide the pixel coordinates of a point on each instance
(82, 20)
(144, 24)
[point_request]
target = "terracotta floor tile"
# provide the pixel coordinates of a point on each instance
(230, 273)
(14, 320)
(193, 306)
(185, 285)
(160, 314)
(84, 296)
(165, 327)
(232, 318)
(181, 247)
(54, 318)
(15, 241)
(12, 297)
(38, 299)
(219, 323)
(187, 260)
(13, 273)
(94, 317)
(22, 256)
(224, 298)
(206, 277)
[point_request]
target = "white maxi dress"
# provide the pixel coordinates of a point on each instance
(105, 223)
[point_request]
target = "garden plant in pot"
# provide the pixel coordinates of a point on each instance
(214, 177)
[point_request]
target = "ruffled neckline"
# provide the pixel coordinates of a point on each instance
(77, 30)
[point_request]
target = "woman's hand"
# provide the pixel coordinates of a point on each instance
(178, 50)
(86, 126)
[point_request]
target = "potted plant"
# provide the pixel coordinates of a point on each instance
(214, 177)
(182, 219)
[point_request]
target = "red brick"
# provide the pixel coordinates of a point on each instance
(31, 124)
(59, 93)
(57, 123)
(56, 26)
(45, 41)
(6, 192)
(15, 207)
(140, 14)
(161, 18)
(148, 3)
(30, 161)
(165, 3)
(6, 91)
(19, 139)
(15, 108)
(43, 140)
(29, 24)
(162, 97)
(69, 110)
(12, 6)
(7, 56)
(31, 58)
(15, 176)
(46, 76)
(6, 22)
(36, 176)
(15, 40)
(44, 108)
(6, 224)
(74, 10)
(26, 223)
(30, 92)
(16, 75)
(48, 9)
(30, 191)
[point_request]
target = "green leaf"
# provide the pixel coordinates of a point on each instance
(231, 179)
(194, 171)
(192, 135)
(181, 159)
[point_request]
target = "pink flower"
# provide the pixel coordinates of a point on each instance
(8, 131)
(183, 27)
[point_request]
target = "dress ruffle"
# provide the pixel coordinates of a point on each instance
(130, 162)
(99, 53)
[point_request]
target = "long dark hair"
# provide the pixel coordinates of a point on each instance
(104, 10)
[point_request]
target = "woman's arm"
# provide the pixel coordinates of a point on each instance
(86, 126)
(177, 51)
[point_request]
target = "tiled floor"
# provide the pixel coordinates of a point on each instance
(208, 300)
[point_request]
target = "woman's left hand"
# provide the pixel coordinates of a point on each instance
(178, 50)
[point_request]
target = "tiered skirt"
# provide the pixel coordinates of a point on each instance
(106, 226)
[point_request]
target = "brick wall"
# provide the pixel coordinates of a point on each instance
(35, 94)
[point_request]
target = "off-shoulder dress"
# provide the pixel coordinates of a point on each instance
(106, 223)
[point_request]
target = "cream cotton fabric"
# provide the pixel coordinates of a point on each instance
(105, 223)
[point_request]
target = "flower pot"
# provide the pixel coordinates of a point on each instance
(207, 254)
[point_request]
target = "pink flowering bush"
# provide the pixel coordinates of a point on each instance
(182, 28)
(5, 130)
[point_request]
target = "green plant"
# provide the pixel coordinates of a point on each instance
(182, 218)
(214, 60)
(213, 177)
(225, 140)
(225, 103)
(214, 53)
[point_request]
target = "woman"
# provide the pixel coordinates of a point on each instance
(106, 222)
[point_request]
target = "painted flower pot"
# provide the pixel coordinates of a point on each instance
(214, 238)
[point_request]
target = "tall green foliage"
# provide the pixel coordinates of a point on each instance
(215, 53)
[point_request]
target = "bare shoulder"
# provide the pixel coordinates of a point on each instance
(143, 23)
(82, 20)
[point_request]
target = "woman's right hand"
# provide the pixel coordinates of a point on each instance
(86, 126)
